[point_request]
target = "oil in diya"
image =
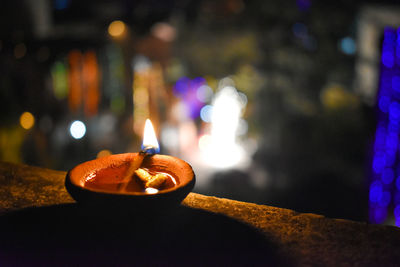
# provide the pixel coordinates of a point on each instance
(136, 179)
(116, 180)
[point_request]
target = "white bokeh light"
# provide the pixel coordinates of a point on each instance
(77, 129)
(221, 149)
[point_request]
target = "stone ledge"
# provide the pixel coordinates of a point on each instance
(307, 239)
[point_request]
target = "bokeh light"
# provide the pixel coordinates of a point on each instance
(387, 176)
(384, 201)
(300, 30)
(396, 83)
(348, 46)
(164, 31)
(206, 113)
(384, 193)
(204, 93)
(77, 129)
(27, 120)
(116, 28)
(61, 4)
(375, 192)
(204, 142)
(221, 149)
(388, 59)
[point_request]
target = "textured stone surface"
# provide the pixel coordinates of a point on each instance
(305, 239)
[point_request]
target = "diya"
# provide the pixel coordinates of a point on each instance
(132, 181)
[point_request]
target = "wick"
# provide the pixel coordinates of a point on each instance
(148, 150)
(134, 165)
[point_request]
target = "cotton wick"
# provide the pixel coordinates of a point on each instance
(148, 150)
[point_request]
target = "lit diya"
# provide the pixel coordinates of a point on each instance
(133, 180)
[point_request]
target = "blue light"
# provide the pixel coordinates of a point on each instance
(181, 86)
(375, 192)
(394, 126)
(61, 4)
(397, 212)
(398, 54)
(384, 102)
(384, 201)
(348, 46)
(381, 133)
(392, 141)
(378, 164)
(387, 82)
(389, 35)
(380, 215)
(387, 176)
(396, 83)
(299, 30)
(198, 81)
(385, 189)
(398, 36)
(394, 111)
(390, 159)
(388, 59)
(398, 183)
(205, 113)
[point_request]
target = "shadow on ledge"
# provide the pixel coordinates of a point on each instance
(69, 235)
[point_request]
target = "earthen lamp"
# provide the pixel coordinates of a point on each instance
(112, 182)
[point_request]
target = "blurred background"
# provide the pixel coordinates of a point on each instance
(285, 103)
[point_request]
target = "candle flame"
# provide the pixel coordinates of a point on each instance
(150, 142)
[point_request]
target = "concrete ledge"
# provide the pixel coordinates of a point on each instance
(305, 239)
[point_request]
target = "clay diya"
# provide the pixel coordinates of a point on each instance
(114, 181)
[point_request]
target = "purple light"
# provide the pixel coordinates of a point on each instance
(181, 86)
(303, 5)
(380, 215)
(186, 90)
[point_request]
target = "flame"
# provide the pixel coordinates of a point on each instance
(149, 138)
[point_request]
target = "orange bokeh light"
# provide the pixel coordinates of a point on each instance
(116, 28)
